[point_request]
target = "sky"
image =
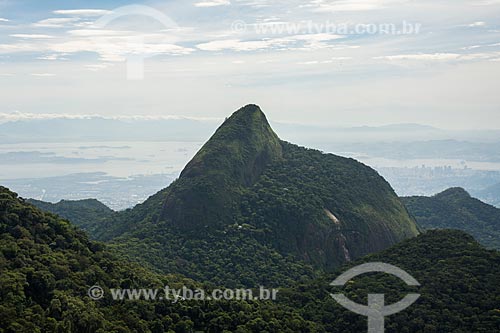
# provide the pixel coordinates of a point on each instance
(329, 62)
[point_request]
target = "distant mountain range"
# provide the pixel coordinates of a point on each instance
(100, 129)
(456, 209)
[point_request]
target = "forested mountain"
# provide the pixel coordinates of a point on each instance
(251, 209)
(87, 214)
(459, 289)
(456, 209)
(47, 266)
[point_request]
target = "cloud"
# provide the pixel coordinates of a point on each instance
(472, 47)
(96, 67)
(59, 22)
(18, 47)
(481, 56)
(99, 33)
(43, 74)
(441, 56)
(477, 24)
(308, 41)
(421, 56)
(255, 3)
(4, 19)
(118, 48)
(485, 2)
(82, 12)
(110, 45)
(352, 5)
(322, 62)
(315, 62)
(213, 3)
(31, 36)
(52, 57)
(27, 116)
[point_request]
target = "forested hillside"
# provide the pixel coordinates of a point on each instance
(47, 266)
(456, 209)
(459, 288)
(87, 214)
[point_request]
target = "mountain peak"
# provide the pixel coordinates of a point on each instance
(249, 121)
(231, 160)
(245, 140)
(248, 109)
(454, 192)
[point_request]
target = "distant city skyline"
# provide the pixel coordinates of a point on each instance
(330, 62)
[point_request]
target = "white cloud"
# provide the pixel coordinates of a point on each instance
(56, 22)
(19, 47)
(109, 45)
(315, 62)
(472, 47)
(309, 41)
(485, 2)
(322, 62)
(352, 5)
(213, 3)
(233, 44)
(421, 56)
(255, 3)
(82, 12)
(43, 74)
(4, 19)
(98, 32)
(441, 56)
(97, 67)
(477, 24)
(52, 57)
(481, 56)
(31, 36)
(117, 48)
(17, 115)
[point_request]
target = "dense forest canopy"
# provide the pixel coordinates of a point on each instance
(456, 209)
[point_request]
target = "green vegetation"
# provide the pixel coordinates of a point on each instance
(456, 209)
(87, 214)
(250, 209)
(207, 192)
(459, 288)
(46, 267)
